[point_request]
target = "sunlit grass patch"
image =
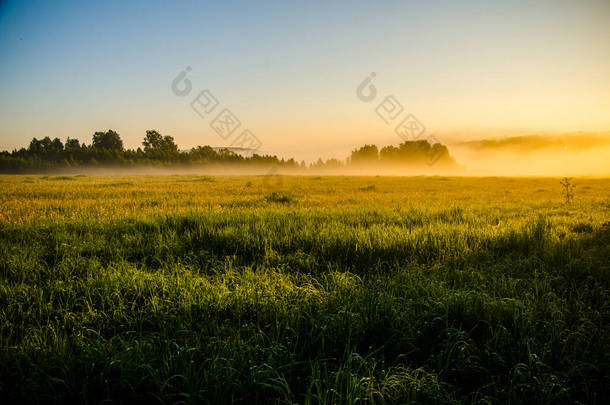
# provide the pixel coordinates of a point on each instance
(420, 290)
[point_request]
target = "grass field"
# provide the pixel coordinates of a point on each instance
(282, 289)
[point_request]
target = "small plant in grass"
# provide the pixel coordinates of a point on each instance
(568, 189)
(60, 178)
(582, 227)
(279, 197)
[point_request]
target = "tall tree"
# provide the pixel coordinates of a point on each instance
(72, 145)
(365, 154)
(154, 142)
(109, 140)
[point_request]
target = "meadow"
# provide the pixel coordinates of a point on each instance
(303, 289)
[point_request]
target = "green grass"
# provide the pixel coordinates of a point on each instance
(183, 289)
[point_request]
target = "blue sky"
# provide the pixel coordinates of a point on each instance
(289, 69)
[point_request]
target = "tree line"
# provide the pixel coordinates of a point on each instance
(106, 149)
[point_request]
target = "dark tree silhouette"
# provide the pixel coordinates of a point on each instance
(365, 155)
(156, 143)
(72, 145)
(109, 140)
(46, 154)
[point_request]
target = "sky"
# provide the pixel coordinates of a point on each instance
(289, 70)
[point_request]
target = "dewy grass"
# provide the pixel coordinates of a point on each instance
(181, 290)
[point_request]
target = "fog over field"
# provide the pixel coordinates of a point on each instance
(536, 155)
(305, 202)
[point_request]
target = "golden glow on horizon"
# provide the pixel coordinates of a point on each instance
(467, 71)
